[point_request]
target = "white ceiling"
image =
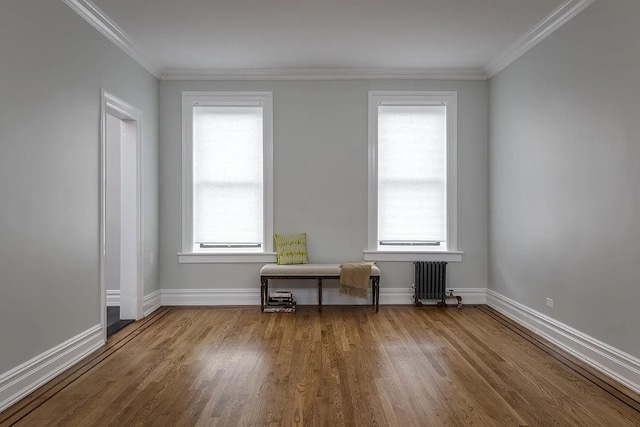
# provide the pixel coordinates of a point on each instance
(192, 35)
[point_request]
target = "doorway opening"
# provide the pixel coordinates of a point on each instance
(121, 266)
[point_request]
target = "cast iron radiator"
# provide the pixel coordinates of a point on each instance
(431, 282)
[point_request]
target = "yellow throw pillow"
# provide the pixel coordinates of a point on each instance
(291, 248)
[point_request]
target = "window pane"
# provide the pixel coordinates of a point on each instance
(412, 154)
(228, 174)
(230, 213)
(411, 211)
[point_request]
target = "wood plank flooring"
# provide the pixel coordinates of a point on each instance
(403, 366)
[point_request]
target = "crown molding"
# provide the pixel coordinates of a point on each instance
(103, 23)
(325, 74)
(563, 14)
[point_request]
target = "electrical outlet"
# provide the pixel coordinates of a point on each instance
(151, 258)
(549, 303)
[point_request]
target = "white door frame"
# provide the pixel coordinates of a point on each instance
(122, 110)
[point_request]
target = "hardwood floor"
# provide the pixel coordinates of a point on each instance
(403, 366)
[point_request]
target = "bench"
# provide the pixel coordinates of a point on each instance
(311, 271)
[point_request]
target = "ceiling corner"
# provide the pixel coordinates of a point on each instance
(560, 16)
(104, 24)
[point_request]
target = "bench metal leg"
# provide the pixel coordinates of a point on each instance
(320, 294)
(376, 285)
(264, 289)
(373, 291)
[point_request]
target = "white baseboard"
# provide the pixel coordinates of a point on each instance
(400, 296)
(472, 295)
(614, 363)
(304, 296)
(113, 298)
(248, 296)
(151, 303)
(22, 380)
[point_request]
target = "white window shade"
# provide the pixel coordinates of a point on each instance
(412, 174)
(228, 175)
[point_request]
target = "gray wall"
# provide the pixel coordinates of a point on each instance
(564, 198)
(320, 178)
(52, 67)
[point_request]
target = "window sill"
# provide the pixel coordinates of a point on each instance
(449, 256)
(212, 258)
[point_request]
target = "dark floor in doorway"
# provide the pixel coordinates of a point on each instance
(114, 324)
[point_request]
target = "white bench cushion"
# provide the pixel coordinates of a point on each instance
(311, 270)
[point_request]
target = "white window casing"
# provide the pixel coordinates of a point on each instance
(227, 177)
(412, 211)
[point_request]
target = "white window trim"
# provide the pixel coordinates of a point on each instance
(238, 98)
(452, 254)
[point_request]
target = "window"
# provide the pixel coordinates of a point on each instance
(412, 176)
(227, 177)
